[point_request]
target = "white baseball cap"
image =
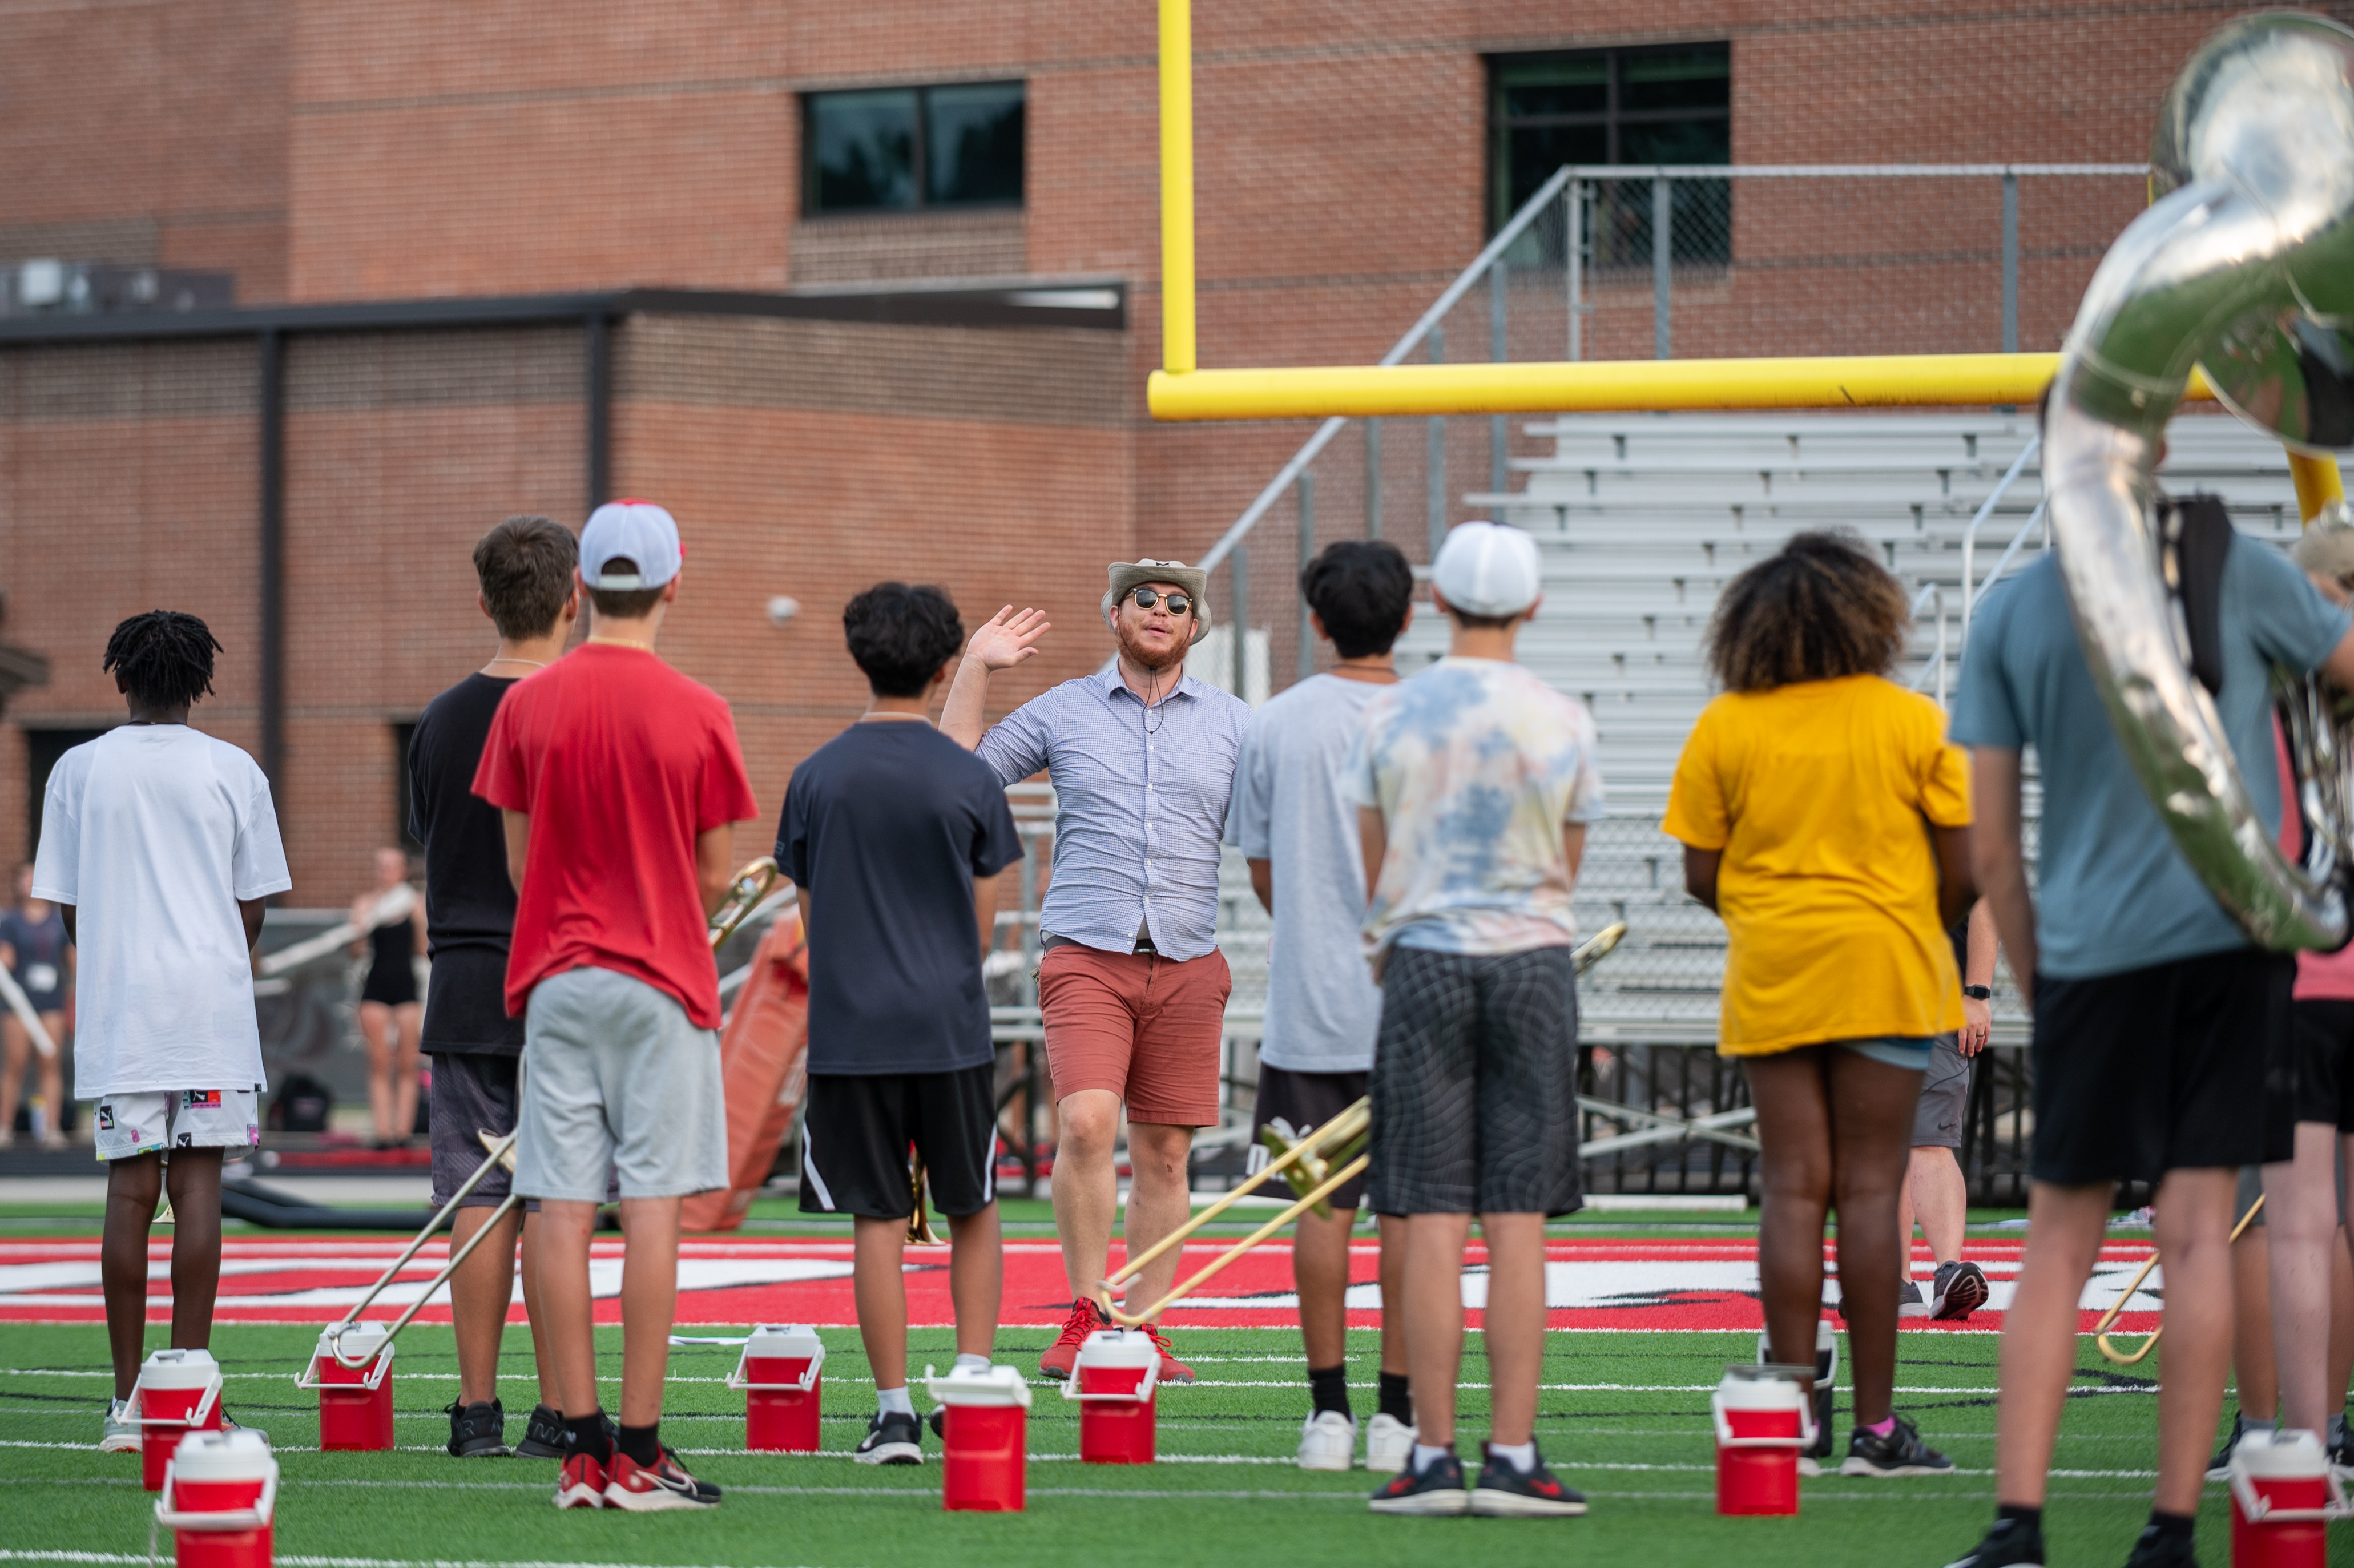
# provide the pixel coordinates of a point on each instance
(638, 529)
(1484, 568)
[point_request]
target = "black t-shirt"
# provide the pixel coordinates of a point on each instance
(886, 825)
(470, 904)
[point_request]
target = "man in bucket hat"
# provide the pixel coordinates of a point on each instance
(1133, 987)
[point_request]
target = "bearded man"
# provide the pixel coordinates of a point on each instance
(1133, 987)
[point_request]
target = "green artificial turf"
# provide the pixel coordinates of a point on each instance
(1624, 1418)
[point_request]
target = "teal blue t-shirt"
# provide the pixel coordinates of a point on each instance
(2113, 893)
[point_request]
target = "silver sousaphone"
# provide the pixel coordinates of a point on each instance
(2244, 266)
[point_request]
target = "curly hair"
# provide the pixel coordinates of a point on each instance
(1820, 608)
(164, 657)
(900, 636)
(1360, 588)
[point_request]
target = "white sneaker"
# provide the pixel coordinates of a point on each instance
(1389, 1443)
(1327, 1441)
(122, 1433)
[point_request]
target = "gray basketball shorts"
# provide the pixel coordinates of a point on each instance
(1944, 1097)
(618, 1079)
(1475, 1085)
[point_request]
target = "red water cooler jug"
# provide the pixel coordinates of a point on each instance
(354, 1402)
(178, 1392)
(221, 1492)
(2282, 1497)
(1764, 1421)
(985, 1435)
(779, 1374)
(1113, 1380)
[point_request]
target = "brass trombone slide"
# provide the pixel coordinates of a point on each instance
(745, 895)
(500, 1154)
(2101, 1328)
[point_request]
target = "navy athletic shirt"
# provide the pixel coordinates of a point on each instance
(886, 825)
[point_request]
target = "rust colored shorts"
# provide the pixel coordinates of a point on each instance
(1145, 1027)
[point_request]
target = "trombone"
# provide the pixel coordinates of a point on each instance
(2101, 1328)
(499, 1153)
(745, 895)
(1315, 1164)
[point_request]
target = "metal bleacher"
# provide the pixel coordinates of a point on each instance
(1643, 518)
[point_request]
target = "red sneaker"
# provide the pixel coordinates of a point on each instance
(1083, 1320)
(648, 1489)
(1171, 1369)
(581, 1482)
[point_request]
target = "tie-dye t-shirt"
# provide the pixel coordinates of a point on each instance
(1475, 766)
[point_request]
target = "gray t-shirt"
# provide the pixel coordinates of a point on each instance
(1291, 806)
(2113, 893)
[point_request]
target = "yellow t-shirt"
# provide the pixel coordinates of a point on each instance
(1817, 794)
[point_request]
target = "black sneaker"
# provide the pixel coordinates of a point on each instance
(1960, 1289)
(2160, 1548)
(1901, 1453)
(479, 1431)
(1910, 1302)
(543, 1434)
(2010, 1544)
(939, 1422)
(891, 1439)
(2219, 1468)
(1435, 1489)
(1503, 1492)
(2341, 1448)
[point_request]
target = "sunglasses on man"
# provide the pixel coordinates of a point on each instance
(1178, 603)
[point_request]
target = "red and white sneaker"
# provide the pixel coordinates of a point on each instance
(581, 1482)
(648, 1489)
(1171, 1369)
(1083, 1320)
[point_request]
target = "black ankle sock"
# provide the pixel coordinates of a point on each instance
(2169, 1526)
(2029, 1519)
(585, 1435)
(642, 1444)
(1397, 1398)
(1329, 1387)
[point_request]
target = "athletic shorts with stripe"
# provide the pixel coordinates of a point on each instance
(859, 1128)
(1475, 1085)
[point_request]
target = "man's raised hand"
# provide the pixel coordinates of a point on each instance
(1007, 638)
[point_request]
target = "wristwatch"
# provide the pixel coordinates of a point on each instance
(1978, 993)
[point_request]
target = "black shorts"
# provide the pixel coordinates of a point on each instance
(472, 1093)
(1475, 1085)
(857, 1130)
(2325, 1041)
(394, 985)
(2184, 1065)
(1305, 1100)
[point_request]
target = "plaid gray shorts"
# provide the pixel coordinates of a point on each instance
(1475, 1085)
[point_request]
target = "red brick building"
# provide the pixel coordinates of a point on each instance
(488, 258)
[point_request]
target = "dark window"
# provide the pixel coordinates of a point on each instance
(42, 749)
(402, 734)
(898, 149)
(1665, 105)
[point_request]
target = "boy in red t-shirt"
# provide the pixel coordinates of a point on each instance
(617, 780)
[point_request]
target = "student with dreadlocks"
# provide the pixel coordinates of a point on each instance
(158, 844)
(1825, 817)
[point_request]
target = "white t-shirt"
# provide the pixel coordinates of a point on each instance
(1292, 806)
(153, 833)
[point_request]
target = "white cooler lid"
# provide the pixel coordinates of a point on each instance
(237, 1455)
(980, 1385)
(177, 1369)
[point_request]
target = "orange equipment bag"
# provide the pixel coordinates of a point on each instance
(763, 1060)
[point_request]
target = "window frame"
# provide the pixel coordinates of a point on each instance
(1611, 117)
(919, 169)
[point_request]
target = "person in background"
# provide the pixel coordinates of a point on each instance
(40, 957)
(1475, 783)
(523, 571)
(1935, 1190)
(1826, 819)
(391, 920)
(1296, 823)
(158, 846)
(1133, 987)
(894, 836)
(619, 783)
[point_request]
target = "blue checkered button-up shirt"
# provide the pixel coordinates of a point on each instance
(1139, 806)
